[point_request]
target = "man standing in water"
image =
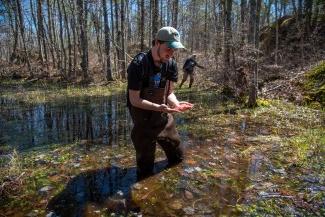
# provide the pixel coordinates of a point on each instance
(188, 70)
(151, 102)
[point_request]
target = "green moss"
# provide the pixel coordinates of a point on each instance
(315, 84)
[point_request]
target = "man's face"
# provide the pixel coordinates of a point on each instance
(164, 52)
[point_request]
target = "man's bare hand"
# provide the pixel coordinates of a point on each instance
(166, 109)
(183, 106)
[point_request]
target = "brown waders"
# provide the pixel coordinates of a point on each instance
(151, 127)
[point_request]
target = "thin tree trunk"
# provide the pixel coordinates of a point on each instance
(117, 39)
(22, 34)
(63, 51)
(69, 41)
(15, 30)
(276, 33)
(206, 28)
(308, 13)
(227, 40)
(252, 101)
(217, 35)
(154, 17)
(41, 29)
(142, 26)
(97, 32)
(112, 20)
(123, 62)
(107, 44)
(49, 14)
(175, 13)
(82, 6)
(74, 36)
(39, 47)
(243, 6)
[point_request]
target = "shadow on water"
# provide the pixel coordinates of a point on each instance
(107, 188)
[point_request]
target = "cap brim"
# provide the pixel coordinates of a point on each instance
(175, 45)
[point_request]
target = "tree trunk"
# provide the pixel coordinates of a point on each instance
(69, 40)
(97, 27)
(252, 20)
(64, 67)
(217, 46)
(51, 48)
(39, 46)
(175, 13)
(41, 29)
(206, 42)
(243, 6)
(22, 34)
(81, 7)
(308, 12)
(227, 40)
(315, 15)
(15, 30)
(117, 38)
(74, 36)
(154, 17)
(123, 62)
(142, 26)
(276, 33)
(107, 44)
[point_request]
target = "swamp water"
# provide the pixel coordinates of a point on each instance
(76, 159)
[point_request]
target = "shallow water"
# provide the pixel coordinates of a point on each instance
(98, 119)
(99, 177)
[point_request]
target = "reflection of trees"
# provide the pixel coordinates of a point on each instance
(98, 119)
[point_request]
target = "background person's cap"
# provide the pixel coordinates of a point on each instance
(171, 36)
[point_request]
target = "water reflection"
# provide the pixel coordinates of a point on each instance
(101, 119)
(108, 188)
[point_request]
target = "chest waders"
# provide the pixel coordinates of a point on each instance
(150, 128)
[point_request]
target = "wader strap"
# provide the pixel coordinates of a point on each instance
(167, 88)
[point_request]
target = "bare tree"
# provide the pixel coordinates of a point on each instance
(81, 7)
(123, 59)
(40, 31)
(154, 17)
(227, 40)
(107, 43)
(22, 34)
(142, 26)
(175, 13)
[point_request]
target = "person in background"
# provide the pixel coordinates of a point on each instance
(188, 70)
(151, 102)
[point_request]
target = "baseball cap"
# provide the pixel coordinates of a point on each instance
(171, 36)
